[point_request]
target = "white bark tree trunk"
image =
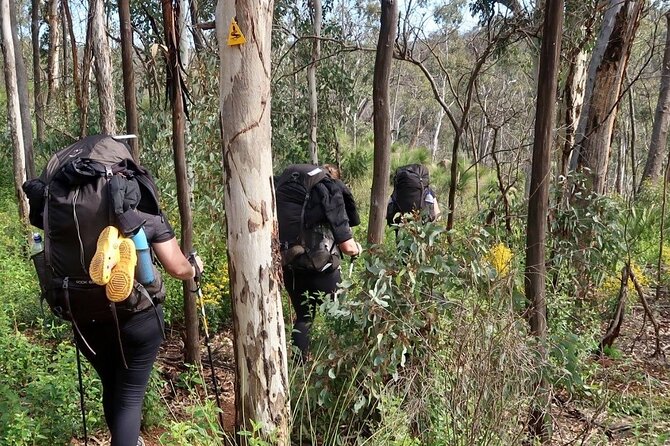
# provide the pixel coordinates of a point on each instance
(24, 96)
(53, 64)
(182, 25)
(258, 322)
(571, 108)
(311, 79)
(620, 178)
(659, 133)
(603, 87)
(103, 68)
(438, 125)
(13, 108)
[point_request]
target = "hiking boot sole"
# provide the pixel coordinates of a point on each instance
(122, 279)
(106, 256)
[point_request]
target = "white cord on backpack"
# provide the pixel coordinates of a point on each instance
(76, 224)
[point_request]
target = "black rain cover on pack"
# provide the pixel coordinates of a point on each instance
(74, 206)
(303, 248)
(410, 187)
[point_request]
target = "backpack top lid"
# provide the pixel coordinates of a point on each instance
(306, 175)
(413, 174)
(102, 148)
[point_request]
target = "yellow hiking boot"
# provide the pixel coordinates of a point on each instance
(106, 255)
(121, 281)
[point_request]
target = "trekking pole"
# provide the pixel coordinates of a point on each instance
(198, 290)
(81, 394)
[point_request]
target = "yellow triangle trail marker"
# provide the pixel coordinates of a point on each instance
(235, 36)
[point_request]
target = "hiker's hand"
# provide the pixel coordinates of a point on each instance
(359, 250)
(350, 247)
(198, 267)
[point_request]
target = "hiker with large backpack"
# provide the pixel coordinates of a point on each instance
(314, 232)
(412, 193)
(101, 218)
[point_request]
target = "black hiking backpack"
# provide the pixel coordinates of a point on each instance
(410, 193)
(304, 246)
(73, 201)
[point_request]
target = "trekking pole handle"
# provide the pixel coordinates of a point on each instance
(192, 260)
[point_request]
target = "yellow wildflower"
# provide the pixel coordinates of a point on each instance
(500, 258)
(612, 283)
(216, 286)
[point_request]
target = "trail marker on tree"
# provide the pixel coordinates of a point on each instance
(235, 36)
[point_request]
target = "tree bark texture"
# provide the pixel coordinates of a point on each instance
(253, 250)
(311, 79)
(129, 97)
(182, 25)
(605, 77)
(75, 52)
(382, 120)
(37, 72)
(24, 95)
(64, 58)
(197, 33)
(13, 109)
(85, 85)
(659, 133)
(571, 107)
(103, 68)
(540, 422)
(53, 65)
(620, 178)
(192, 336)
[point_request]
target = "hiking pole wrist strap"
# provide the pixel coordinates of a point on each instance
(196, 268)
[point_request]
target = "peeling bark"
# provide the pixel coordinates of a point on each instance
(253, 249)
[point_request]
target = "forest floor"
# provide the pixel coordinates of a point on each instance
(632, 405)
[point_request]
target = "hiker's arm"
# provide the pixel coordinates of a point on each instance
(436, 209)
(173, 260)
(332, 202)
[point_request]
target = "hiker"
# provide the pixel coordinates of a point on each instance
(412, 193)
(314, 231)
(100, 214)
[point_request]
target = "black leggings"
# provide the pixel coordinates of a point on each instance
(123, 389)
(304, 289)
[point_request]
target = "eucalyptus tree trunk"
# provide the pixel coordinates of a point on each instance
(571, 107)
(192, 336)
(85, 85)
(182, 25)
(13, 108)
(103, 67)
(382, 120)
(24, 96)
(395, 123)
(603, 87)
(53, 65)
(632, 138)
(535, 276)
(37, 71)
(129, 98)
(659, 133)
(75, 54)
(438, 125)
(262, 385)
(64, 58)
(620, 178)
(311, 78)
(197, 33)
